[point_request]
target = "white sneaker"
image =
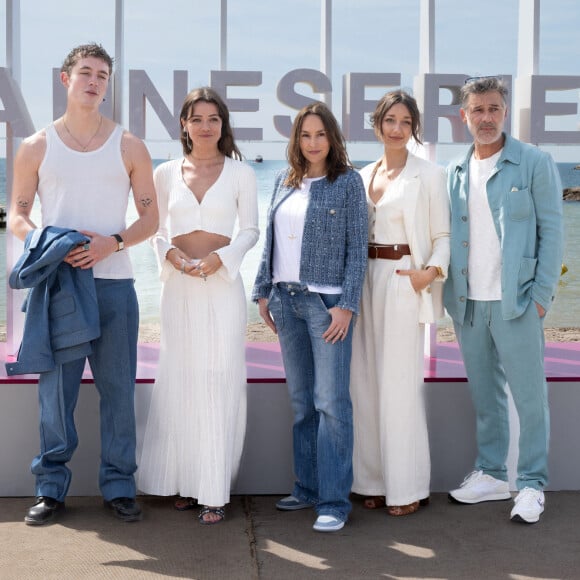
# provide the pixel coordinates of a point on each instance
(328, 524)
(529, 505)
(478, 487)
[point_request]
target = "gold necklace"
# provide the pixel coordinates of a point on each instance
(392, 172)
(84, 148)
(292, 221)
(295, 211)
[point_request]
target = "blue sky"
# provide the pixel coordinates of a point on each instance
(276, 37)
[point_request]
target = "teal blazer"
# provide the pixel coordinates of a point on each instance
(525, 197)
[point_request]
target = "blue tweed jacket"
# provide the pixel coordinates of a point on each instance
(334, 245)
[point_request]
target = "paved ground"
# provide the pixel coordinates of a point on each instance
(442, 541)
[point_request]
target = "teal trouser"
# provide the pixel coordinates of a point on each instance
(496, 352)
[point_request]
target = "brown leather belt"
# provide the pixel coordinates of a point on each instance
(395, 252)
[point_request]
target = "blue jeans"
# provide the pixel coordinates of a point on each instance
(495, 352)
(318, 376)
(113, 363)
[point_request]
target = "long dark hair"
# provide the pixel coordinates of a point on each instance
(394, 98)
(226, 144)
(337, 161)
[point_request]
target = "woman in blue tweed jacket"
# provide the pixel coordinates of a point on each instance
(308, 287)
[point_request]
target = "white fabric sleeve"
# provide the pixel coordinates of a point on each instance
(439, 222)
(160, 240)
(248, 231)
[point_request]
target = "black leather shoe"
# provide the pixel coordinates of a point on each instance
(43, 511)
(125, 508)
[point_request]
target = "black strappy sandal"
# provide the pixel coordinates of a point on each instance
(218, 511)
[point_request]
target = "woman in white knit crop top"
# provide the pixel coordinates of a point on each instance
(196, 425)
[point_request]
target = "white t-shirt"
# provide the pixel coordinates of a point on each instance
(288, 233)
(484, 260)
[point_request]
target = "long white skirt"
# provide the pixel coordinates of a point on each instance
(197, 418)
(391, 444)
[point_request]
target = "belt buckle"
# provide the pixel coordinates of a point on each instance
(376, 253)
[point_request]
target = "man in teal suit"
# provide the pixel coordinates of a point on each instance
(506, 255)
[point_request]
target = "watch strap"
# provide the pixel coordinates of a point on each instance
(120, 242)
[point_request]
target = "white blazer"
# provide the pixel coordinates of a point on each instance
(426, 217)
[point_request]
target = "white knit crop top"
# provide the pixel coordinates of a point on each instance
(233, 197)
(87, 191)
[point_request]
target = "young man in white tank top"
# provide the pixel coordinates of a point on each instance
(83, 167)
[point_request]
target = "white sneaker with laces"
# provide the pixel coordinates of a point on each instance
(478, 487)
(529, 505)
(328, 524)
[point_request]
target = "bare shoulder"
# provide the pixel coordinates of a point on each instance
(133, 149)
(33, 148)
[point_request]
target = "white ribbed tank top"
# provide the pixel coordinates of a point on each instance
(87, 191)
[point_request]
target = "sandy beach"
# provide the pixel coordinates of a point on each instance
(259, 332)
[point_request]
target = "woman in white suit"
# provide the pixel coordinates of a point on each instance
(408, 258)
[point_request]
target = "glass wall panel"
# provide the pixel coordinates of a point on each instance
(176, 47)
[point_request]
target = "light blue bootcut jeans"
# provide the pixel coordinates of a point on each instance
(499, 353)
(113, 363)
(318, 375)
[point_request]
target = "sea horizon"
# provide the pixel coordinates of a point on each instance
(565, 312)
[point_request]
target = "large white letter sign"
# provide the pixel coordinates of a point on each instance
(317, 80)
(141, 89)
(355, 106)
(221, 80)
